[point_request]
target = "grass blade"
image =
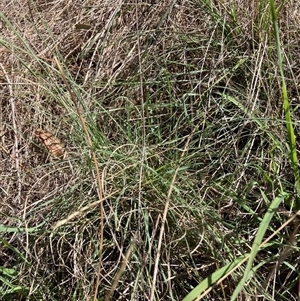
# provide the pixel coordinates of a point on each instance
(213, 278)
(286, 105)
(258, 239)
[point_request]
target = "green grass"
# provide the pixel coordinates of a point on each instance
(181, 177)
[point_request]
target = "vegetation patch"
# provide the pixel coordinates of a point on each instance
(149, 150)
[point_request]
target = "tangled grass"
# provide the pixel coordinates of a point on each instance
(178, 162)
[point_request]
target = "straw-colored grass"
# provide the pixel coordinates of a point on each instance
(178, 178)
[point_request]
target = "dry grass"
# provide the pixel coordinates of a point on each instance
(182, 103)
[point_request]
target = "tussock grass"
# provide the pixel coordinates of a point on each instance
(199, 177)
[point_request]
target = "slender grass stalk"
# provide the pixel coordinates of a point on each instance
(286, 106)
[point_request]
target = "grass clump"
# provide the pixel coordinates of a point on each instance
(179, 180)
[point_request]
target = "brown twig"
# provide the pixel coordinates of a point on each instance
(98, 175)
(119, 274)
(143, 130)
(81, 211)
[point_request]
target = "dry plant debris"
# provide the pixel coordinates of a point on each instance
(52, 143)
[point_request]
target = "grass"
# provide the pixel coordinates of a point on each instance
(180, 177)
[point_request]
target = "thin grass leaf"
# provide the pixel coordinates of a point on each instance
(5, 229)
(286, 106)
(10, 285)
(257, 241)
(213, 278)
